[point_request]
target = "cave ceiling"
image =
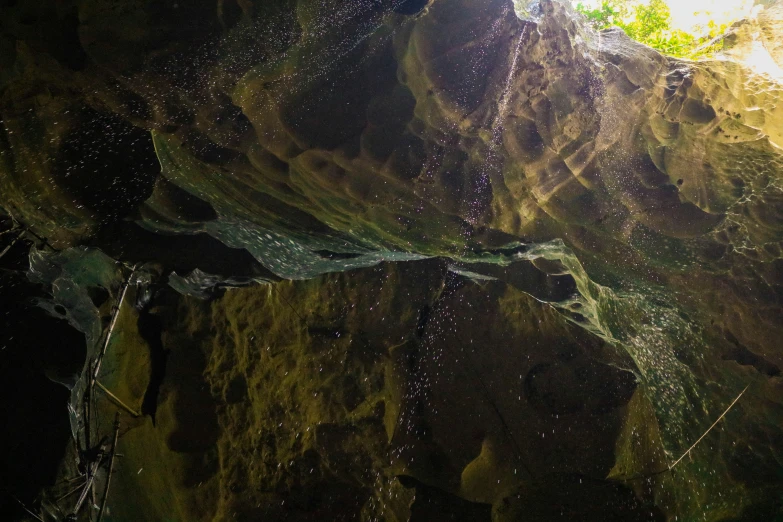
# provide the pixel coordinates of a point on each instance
(395, 260)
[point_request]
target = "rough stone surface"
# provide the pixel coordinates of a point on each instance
(371, 395)
(613, 213)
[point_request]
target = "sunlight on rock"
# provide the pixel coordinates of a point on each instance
(391, 261)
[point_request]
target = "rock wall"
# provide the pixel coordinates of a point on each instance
(456, 129)
(636, 195)
(372, 395)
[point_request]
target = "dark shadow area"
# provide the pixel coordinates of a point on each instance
(107, 165)
(741, 355)
(182, 253)
(435, 505)
(151, 328)
(35, 348)
(567, 497)
(48, 26)
(531, 279)
(411, 7)
(328, 254)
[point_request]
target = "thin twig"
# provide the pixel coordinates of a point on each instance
(111, 465)
(41, 239)
(670, 467)
(95, 369)
(74, 490)
(86, 408)
(87, 486)
(10, 230)
(116, 400)
(280, 294)
(72, 479)
(113, 323)
(25, 507)
(9, 247)
(710, 428)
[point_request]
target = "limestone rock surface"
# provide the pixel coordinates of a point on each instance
(482, 256)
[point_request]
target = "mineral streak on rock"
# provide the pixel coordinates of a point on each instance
(293, 138)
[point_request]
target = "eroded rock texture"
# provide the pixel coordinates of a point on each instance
(458, 128)
(638, 195)
(372, 395)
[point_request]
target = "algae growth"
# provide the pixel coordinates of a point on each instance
(390, 261)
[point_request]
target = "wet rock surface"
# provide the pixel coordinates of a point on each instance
(326, 398)
(579, 243)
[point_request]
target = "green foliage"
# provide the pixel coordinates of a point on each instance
(650, 24)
